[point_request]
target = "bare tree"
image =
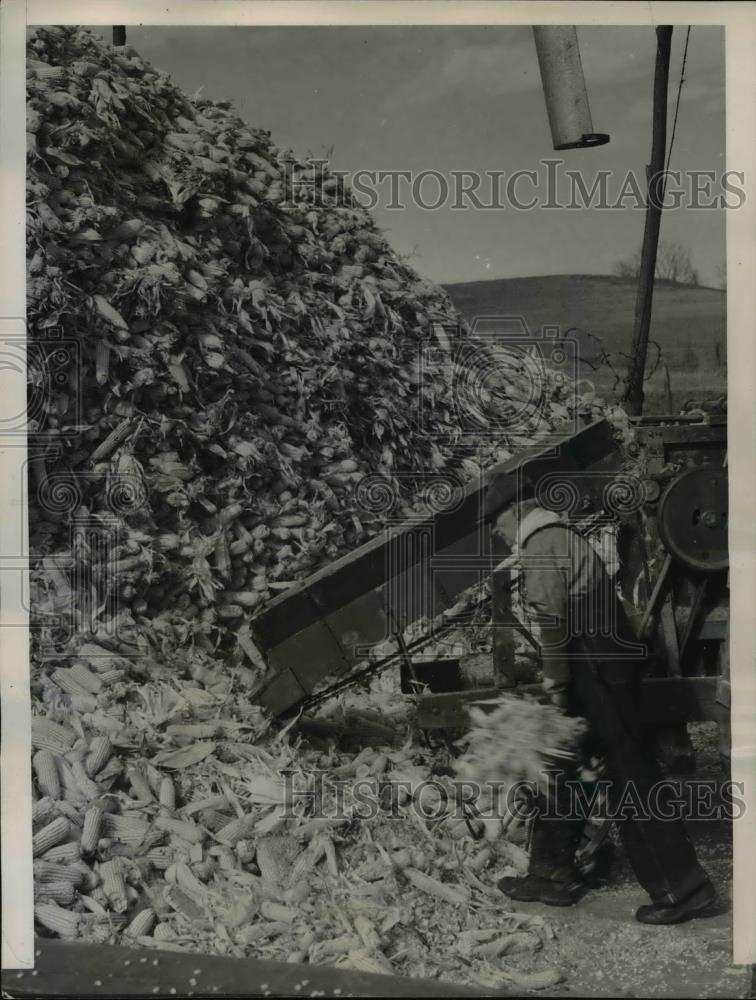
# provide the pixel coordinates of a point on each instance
(673, 263)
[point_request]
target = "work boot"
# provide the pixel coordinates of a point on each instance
(696, 905)
(542, 890)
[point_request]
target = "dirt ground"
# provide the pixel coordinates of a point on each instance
(605, 952)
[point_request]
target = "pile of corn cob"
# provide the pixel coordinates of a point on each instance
(167, 814)
(238, 378)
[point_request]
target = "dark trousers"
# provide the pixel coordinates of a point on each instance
(607, 695)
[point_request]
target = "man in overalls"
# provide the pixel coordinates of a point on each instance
(592, 668)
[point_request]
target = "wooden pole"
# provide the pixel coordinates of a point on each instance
(655, 195)
(119, 34)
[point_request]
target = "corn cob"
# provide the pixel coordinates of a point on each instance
(89, 681)
(129, 830)
(110, 677)
(68, 683)
(234, 831)
(204, 869)
(46, 769)
(42, 810)
(142, 923)
(139, 785)
(100, 751)
(93, 906)
(164, 932)
(48, 735)
(278, 912)
(159, 857)
(188, 881)
(370, 937)
(88, 879)
(51, 835)
(167, 794)
(306, 860)
(361, 961)
(457, 895)
(50, 871)
(187, 831)
(55, 892)
(113, 885)
(92, 826)
(214, 802)
(55, 918)
(88, 788)
(64, 852)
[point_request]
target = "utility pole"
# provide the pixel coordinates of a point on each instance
(655, 195)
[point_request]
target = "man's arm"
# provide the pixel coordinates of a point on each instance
(547, 595)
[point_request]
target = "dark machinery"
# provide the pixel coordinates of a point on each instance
(317, 637)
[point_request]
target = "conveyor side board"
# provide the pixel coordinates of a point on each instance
(325, 624)
(79, 969)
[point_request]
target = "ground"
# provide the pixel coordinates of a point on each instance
(605, 952)
(687, 323)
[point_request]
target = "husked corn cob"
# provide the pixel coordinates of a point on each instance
(167, 794)
(142, 923)
(213, 820)
(234, 831)
(129, 830)
(56, 892)
(68, 683)
(164, 932)
(89, 681)
(51, 835)
(56, 919)
(51, 871)
(93, 906)
(456, 894)
(46, 770)
(360, 960)
(92, 825)
(110, 677)
(114, 885)
(187, 831)
(42, 810)
(85, 784)
(139, 784)
(188, 881)
(64, 852)
(89, 879)
(278, 912)
(48, 735)
(159, 857)
(201, 805)
(100, 752)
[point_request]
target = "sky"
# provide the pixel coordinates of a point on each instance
(468, 98)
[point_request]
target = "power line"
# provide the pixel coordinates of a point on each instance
(677, 102)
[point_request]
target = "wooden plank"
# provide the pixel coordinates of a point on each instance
(76, 969)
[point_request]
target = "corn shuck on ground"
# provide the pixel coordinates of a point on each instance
(223, 347)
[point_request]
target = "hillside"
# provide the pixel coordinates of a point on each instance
(689, 324)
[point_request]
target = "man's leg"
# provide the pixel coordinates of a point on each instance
(660, 850)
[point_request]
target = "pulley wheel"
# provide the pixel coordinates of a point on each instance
(692, 519)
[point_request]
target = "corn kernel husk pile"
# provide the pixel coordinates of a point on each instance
(248, 348)
(168, 814)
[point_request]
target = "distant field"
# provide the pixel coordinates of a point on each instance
(688, 324)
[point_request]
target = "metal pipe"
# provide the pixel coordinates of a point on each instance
(655, 175)
(564, 88)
